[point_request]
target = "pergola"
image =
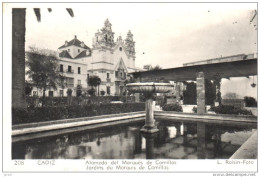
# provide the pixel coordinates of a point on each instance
(241, 68)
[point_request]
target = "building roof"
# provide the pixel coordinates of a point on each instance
(83, 54)
(65, 54)
(74, 42)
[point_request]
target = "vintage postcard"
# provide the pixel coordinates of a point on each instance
(129, 87)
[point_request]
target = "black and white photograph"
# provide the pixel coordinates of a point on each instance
(130, 87)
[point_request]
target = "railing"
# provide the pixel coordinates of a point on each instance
(71, 71)
(108, 79)
(58, 70)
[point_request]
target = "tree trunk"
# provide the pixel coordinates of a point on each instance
(18, 58)
(69, 99)
(43, 97)
(126, 96)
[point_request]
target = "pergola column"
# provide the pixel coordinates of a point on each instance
(178, 94)
(200, 93)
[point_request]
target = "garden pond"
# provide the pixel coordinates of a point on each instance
(175, 140)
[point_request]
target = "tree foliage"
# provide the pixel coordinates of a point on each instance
(190, 94)
(250, 101)
(28, 88)
(79, 91)
(91, 92)
(152, 68)
(93, 81)
(102, 92)
(217, 85)
(157, 67)
(69, 92)
(42, 70)
(210, 92)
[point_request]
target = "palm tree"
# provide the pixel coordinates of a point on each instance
(94, 81)
(18, 53)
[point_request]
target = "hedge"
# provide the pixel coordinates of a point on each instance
(228, 109)
(63, 101)
(172, 107)
(40, 114)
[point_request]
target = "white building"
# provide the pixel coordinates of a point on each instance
(112, 61)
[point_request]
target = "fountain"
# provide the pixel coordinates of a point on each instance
(149, 89)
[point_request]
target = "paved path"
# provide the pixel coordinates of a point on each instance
(248, 150)
(207, 117)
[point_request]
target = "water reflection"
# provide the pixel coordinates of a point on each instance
(175, 140)
(149, 139)
(201, 141)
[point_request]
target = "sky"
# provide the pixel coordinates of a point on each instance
(166, 34)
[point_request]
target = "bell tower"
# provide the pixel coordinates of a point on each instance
(130, 44)
(105, 37)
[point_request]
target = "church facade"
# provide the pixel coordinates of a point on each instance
(112, 60)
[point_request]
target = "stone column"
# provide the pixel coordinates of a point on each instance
(18, 58)
(200, 93)
(149, 126)
(178, 90)
(149, 121)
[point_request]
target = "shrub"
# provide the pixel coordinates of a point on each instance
(228, 109)
(69, 92)
(194, 109)
(116, 98)
(40, 114)
(250, 102)
(28, 88)
(91, 92)
(102, 92)
(79, 90)
(172, 107)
